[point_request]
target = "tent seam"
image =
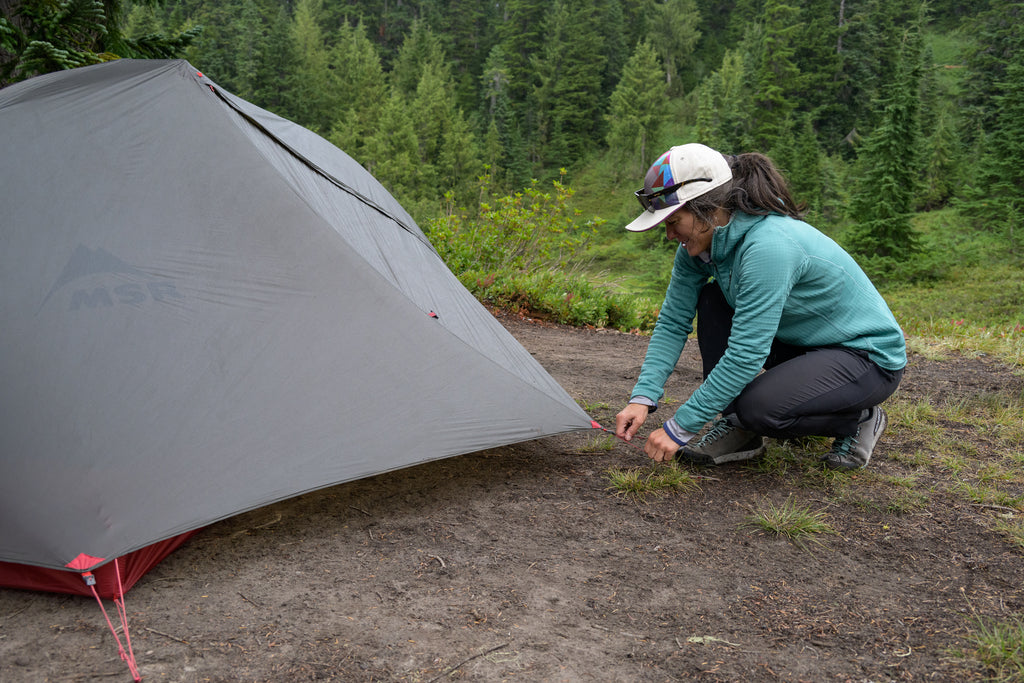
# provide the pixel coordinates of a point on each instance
(315, 168)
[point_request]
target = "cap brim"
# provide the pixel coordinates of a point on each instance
(650, 219)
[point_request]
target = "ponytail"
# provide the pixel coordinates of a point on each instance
(757, 187)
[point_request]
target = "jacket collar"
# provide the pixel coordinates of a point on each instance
(728, 237)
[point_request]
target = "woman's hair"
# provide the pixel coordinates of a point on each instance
(757, 187)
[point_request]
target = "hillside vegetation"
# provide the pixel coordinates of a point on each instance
(517, 131)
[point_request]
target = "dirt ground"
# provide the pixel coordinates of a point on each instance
(519, 563)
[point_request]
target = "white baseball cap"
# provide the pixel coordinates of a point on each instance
(679, 175)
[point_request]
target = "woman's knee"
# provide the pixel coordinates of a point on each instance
(756, 415)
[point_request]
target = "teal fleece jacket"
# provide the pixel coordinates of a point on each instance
(785, 280)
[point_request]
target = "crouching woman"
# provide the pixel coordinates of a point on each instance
(794, 339)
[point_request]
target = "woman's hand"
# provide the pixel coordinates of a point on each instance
(629, 420)
(660, 446)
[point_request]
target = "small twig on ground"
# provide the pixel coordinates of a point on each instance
(88, 677)
(14, 614)
(621, 633)
(253, 602)
(242, 532)
(165, 635)
(465, 662)
(435, 557)
(993, 507)
(361, 510)
(270, 523)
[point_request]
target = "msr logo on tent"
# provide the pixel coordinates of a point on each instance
(87, 262)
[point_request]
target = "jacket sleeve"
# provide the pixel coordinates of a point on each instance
(763, 275)
(674, 325)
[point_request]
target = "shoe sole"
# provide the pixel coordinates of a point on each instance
(708, 461)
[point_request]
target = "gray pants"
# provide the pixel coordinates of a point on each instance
(804, 391)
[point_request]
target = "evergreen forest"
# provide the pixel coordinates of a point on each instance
(516, 131)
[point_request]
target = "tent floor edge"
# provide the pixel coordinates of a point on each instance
(133, 565)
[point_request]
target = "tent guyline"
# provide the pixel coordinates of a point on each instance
(127, 655)
(595, 425)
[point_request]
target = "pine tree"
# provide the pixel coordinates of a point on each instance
(942, 174)
(432, 110)
(799, 155)
(997, 196)
(889, 165)
(458, 161)
(783, 151)
(392, 154)
(609, 17)
(998, 35)
(313, 86)
(361, 89)
(818, 86)
(507, 153)
(568, 99)
(521, 35)
(468, 29)
(276, 61)
(421, 50)
(868, 46)
(674, 32)
(422, 145)
(777, 76)
(723, 118)
(637, 111)
(38, 36)
(233, 45)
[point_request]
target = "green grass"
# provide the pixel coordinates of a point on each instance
(798, 524)
(1000, 647)
(906, 502)
(638, 483)
(1012, 528)
(967, 447)
(601, 443)
(973, 303)
(981, 494)
(780, 458)
(592, 407)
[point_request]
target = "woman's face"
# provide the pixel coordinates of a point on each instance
(683, 227)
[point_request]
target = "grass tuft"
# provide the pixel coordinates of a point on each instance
(905, 502)
(639, 482)
(1013, 529)
(599, 443)
(1000, 647)
(795, 523)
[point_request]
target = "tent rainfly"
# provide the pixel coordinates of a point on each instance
(206, 308)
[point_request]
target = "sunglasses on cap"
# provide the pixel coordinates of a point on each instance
(654, 201)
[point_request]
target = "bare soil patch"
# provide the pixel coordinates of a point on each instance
(519, 563)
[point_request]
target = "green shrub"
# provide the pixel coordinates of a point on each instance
(515, 251)
(562, 298)
(525, 230)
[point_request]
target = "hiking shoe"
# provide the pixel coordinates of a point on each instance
(724, 442)
(854, 452)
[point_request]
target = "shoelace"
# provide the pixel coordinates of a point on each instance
(846, 445)
(720, 429)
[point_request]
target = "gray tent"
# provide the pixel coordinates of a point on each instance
(205, 308)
